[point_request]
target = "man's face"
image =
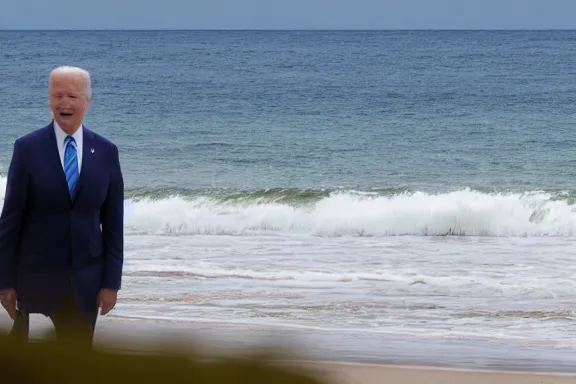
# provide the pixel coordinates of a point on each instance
(68, 100)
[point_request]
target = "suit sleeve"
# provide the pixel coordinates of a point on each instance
(12, 215)
(112, 216)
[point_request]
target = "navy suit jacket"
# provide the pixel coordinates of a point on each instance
(51, 241)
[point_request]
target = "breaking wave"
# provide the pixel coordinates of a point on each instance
(340, 212)
(320, 212)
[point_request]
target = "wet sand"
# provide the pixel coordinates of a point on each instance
(118, 334)
(357, 373)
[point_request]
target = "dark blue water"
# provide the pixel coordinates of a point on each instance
(426, 110)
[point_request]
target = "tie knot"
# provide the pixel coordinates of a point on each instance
(69, 140)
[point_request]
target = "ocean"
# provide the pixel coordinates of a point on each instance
(415, 186)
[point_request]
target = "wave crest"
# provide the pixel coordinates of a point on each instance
(355, 213)
(325, 212)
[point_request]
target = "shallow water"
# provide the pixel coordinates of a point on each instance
(516, 290)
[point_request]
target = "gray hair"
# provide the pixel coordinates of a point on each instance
(65, 69)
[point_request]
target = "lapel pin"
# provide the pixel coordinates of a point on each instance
(92, 150)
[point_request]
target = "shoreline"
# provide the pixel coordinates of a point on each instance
(349, 373)
(350, 355)
(360, 348)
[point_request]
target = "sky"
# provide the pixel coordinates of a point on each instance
(288, 14)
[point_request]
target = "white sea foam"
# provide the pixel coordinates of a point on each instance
(500, 288)
(464, 212)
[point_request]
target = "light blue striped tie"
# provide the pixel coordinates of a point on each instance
(71, 164)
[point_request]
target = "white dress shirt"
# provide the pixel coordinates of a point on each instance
(61, 136)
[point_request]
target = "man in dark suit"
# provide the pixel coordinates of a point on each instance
(61, 227)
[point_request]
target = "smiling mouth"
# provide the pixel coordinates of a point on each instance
(65, 114)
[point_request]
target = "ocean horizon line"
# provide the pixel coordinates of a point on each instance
(289, 29)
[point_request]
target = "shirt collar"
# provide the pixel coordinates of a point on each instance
(61, 135)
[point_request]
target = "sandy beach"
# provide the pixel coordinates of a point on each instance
(138, 335)
(357, 373)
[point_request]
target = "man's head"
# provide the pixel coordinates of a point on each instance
(70, 92)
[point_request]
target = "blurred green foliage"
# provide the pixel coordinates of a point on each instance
(65, 363)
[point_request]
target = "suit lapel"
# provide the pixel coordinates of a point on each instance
(87, 161)
(53, 158)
